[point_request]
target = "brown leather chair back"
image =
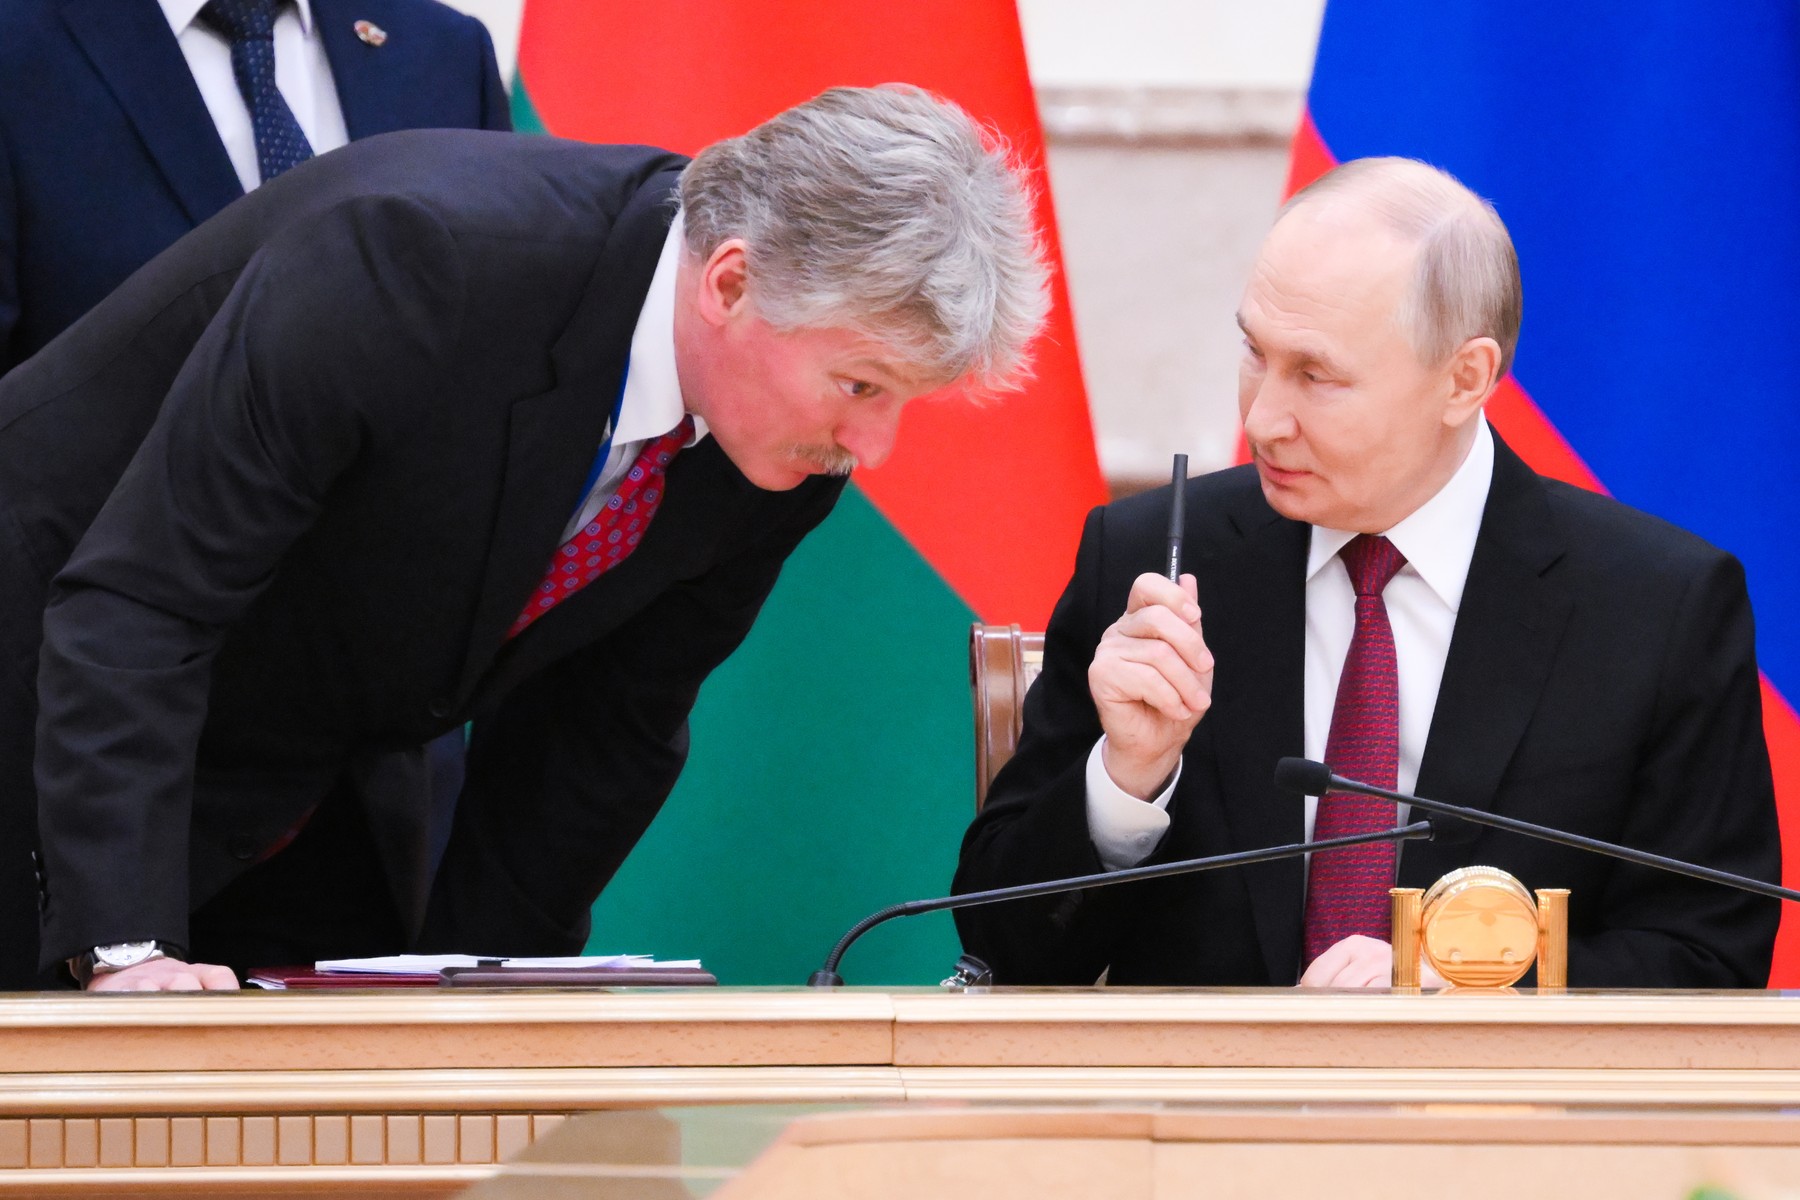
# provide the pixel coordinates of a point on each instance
(1003, 662)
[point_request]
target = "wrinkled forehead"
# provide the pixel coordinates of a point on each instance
(1330, 267)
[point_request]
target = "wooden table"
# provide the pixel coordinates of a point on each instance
(429, 1089)
(1169, 1152)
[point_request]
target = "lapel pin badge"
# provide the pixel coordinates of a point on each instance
(370, 32)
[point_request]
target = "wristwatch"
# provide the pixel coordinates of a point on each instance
(104, 960)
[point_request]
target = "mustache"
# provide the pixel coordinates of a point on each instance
(832, 460)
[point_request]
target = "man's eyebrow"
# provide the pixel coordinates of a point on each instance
(1313, 358)
(1305, 356)
(891, 373)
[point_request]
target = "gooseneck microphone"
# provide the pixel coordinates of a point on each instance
(827, 975)
(1311, 778)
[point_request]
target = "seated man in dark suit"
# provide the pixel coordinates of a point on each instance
(445, 428)
(1389, 589)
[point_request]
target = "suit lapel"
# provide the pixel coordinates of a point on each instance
(1254, 606)
(369, 89)
(552, 437)
(1501, 651)
(132, 49)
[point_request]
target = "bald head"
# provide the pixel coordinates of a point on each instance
(1465, 278)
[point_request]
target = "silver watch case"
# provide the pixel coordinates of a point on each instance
(107, 959)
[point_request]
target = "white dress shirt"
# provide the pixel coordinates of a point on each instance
(1438, 540)
(652, 404)
(301, 73)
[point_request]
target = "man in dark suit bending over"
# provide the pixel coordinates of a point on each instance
(1387, 588)
(452, 427)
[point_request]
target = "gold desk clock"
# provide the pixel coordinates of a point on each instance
(1478, 928)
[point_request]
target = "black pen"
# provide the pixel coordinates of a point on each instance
(1177, 516)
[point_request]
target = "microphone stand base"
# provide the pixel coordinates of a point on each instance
(825, 979)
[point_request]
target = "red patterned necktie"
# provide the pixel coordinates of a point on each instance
(608, 540)
(1347, 890)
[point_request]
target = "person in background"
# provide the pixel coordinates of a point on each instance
(125, 123)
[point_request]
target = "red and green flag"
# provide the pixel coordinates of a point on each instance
(832, 763)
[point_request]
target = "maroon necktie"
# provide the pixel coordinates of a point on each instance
(1347, 890)
(608, 540)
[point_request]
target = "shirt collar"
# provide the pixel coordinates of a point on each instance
(182, 13)
(652, 404)
(1438, 537)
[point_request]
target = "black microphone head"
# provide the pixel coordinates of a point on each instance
(1303, 775)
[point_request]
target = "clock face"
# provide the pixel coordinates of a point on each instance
(1480, 928)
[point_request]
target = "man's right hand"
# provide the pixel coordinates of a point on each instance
(1151, 680)
(166, 975)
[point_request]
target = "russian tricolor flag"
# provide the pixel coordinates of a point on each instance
(1647, 159)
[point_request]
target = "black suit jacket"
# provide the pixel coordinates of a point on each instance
(107, 152)
(1601, 679)
(295, 479)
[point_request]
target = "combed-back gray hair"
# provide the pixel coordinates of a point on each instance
(1467, 285)
(887, 211)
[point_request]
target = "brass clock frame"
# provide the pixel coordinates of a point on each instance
(1479, 928)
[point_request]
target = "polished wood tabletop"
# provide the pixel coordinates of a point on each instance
(436, 1086)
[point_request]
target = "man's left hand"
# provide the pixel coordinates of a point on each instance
(1361, 962)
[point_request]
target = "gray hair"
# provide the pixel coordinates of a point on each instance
(1467, 285)
(887, 211)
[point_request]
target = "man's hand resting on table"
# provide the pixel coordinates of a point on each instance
(1151, 680)
(166, 975)
(1360, 962)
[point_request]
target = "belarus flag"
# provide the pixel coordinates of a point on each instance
(832, 766)
(1647, 159)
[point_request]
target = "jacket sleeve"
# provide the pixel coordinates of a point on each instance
(567, 772)
(1702, 791)
(327, 344)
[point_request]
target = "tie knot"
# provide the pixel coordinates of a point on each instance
(669, 444)
(1372, 561)
(240, 19)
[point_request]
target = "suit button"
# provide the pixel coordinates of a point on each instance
(440, 707)
(242, 847)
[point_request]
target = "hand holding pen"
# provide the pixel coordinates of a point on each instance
(1151, 678)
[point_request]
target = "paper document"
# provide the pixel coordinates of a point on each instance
(432, 964)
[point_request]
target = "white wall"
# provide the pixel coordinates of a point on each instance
(1171, 43)
(1115, 43)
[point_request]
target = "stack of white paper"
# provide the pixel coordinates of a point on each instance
(432, 964)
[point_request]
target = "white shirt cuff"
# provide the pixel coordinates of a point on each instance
(1124, 830)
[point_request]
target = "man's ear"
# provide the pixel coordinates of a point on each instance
(1474, 373)
(724, 290)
